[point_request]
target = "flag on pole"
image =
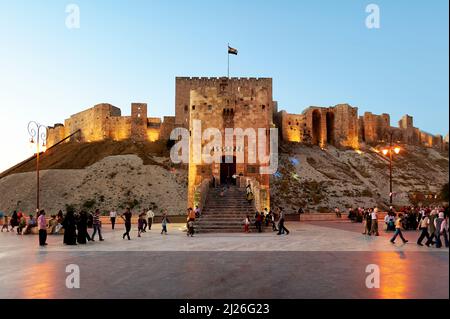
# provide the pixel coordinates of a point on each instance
(232, 50)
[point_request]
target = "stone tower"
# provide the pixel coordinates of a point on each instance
(139, 121)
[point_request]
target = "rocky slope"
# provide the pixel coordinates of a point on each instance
(318, 180)
(115, 175)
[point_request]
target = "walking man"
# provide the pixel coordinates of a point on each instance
(42, 226)
(150, 216)
(96, 224)
(112, 217)
(127, 219)
(281, 227)
(272, 220)
(374, 226)
(144, 221)
(441, 230)
(423, 227)
(431, 228)
(398, 230)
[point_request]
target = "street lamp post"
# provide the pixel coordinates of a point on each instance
(390, 150)
(37, 133)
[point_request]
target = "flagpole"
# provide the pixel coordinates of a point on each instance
(228, 54)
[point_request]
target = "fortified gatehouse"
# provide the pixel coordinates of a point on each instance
(221, 103)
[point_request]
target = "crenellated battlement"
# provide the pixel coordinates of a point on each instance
(181, 78)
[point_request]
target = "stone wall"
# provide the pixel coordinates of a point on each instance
(375, 127)
(337, 125)
(104, 121)
(344, 126)
(166, 127)
(293, 127)
(55, 134)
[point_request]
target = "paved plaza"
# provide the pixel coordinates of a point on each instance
(316, 260)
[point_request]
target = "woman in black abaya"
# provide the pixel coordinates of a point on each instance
(82, 228)
(69, 225)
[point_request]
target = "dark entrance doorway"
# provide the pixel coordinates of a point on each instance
(227, 170)
(316, 127)
(330, 128)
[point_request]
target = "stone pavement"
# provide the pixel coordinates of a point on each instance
(316, 260)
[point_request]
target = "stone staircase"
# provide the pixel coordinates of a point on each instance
(225, 214)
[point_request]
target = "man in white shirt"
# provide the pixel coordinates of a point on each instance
(112, 216)
(374, 226)
(150, 216)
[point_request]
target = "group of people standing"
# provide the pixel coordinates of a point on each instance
(266, 218)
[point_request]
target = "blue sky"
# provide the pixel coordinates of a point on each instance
(317, 52)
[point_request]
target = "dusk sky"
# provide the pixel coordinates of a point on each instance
(317, 52)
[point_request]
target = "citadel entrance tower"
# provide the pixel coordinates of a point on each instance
(223, 103)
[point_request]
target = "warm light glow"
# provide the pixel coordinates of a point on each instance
(397, 150)
(385, 151)
(359, 152)
(153, 134)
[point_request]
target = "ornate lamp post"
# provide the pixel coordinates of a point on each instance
(390, 150)
(38, 134)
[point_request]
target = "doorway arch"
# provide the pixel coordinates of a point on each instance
(227, 170)
(330, 128)
(316, 127)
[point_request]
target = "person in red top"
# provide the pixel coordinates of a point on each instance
(42, 226)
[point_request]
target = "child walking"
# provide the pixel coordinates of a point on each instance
(164, 223)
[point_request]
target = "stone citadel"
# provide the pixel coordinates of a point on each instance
(242, 103)
(338, 125)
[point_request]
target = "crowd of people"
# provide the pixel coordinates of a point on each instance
(432, 222)
(74, 226)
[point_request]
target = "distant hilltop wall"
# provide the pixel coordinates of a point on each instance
(104, 121)
(340, 126)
